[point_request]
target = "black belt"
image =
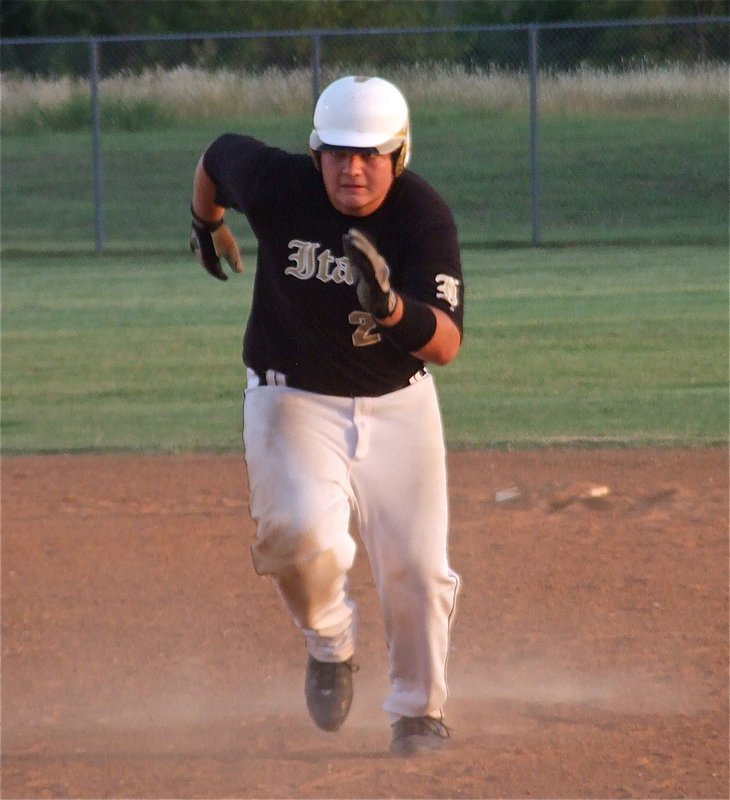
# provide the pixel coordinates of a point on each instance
(273, 378)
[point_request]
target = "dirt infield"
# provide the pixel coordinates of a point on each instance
(142, 657)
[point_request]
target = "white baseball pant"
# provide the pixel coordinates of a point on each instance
(312, 461)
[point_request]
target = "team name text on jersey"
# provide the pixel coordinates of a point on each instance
(323, 266)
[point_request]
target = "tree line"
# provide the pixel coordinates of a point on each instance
(507, 49)
(30, 18)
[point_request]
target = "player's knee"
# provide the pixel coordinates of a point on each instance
(313, 590)
(292, 541)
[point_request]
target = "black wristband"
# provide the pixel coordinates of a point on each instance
(205, 224)
(415, 328)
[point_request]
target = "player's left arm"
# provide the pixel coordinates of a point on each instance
(444, 344)
(420, 328)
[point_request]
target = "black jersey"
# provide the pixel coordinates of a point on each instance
(305, 319)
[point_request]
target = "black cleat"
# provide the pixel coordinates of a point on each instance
(328, 689)
(414, 735)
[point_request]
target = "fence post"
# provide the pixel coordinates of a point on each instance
(316, 66)
(534, 159)
(98, 163)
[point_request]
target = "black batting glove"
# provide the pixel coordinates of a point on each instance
(212, 240)
(371, 274)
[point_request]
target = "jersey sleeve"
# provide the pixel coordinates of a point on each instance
(430, 258)
(238, 165)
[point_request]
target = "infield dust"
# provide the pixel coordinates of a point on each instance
(143, 658)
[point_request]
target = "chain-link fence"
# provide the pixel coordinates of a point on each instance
(601, 131)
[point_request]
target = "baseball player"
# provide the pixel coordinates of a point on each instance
(358, 285)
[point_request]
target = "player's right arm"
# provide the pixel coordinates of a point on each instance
(204, 193)
(210, 237)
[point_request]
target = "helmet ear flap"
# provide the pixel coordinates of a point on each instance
(400, 160)
(403, 155)
(315, 143)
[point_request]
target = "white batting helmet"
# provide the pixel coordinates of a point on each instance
(362, 113)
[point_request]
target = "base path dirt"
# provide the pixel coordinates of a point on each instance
(143, 658)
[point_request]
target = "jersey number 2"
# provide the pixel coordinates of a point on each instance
(365, 333)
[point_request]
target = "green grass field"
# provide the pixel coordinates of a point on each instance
(616, 331)
(598, 345)
(653, 180)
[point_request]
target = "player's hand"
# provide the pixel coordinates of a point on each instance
(211, 241)
(371, 274)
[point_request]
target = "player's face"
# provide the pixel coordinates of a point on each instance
(356, 183)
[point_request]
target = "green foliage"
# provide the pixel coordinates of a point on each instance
(478, 11)
(75, 115)
(621, 345)
(105, 17)
(55, 18)
(135, 115)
